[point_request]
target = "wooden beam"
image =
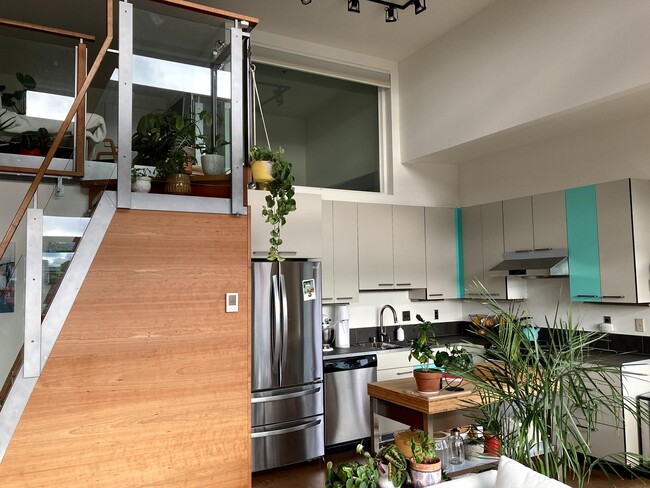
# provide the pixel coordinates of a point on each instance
(204, 9)
(48, 30)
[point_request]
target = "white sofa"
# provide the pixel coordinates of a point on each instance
(510, 474)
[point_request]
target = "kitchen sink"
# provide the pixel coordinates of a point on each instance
(379, 345)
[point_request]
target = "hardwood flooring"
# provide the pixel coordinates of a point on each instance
(312, 475)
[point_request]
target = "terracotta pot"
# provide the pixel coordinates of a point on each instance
(423, 475)
(178, 184)
(427, 381)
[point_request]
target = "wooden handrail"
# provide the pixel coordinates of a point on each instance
(204, 9)
(48, 30)
(59, 136)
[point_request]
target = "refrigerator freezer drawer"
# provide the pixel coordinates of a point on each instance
(286, 404)
(287, 443)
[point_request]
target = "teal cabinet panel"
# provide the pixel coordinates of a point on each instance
(460, 268)
(582, 236)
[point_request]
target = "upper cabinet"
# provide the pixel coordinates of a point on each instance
(391, 247)
(535, 223)
(301, 235)
(340, 257)
(442, 277)
(483, 249)
(609, 238)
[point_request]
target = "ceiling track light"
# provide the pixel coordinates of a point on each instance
(391, 14)
(420, 6)
(353, 6)
(305, 2)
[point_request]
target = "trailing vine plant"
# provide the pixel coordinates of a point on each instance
(279, 201)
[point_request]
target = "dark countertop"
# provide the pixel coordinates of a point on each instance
(340, 352)
(615, 358)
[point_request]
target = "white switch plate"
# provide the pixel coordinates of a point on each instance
(232, 302)
(639, 325)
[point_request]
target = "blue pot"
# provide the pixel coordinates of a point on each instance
(531, 333)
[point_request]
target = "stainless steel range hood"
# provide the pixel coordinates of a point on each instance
(547, 263)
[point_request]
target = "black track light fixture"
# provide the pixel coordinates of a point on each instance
(353, 6)
(391, 14)
(420, 6)
(305, 2)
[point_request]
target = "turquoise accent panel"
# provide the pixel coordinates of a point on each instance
(460, 267)
(582, 234)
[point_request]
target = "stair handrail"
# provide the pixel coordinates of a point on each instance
(31, 191)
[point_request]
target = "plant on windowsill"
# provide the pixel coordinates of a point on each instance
(167, 140)
(425, 466)
(140, 180)
(279, 201)
(213, 163)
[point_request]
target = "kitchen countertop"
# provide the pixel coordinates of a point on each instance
(615, 358)
(340, 352)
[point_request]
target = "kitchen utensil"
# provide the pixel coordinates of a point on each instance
(328, 337)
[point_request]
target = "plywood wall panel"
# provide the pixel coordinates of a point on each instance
(148, 384)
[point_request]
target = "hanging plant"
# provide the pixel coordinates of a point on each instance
(279, 201)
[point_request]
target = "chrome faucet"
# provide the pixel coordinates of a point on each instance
(383, 336)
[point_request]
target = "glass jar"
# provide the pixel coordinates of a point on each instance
(457, 448)
(442, 448)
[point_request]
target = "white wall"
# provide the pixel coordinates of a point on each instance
(594, 155)
(518, 61)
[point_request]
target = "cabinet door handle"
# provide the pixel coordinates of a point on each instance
(403, 284)
(344, 298)
(435, 294)
(525, 250)
(291, 253)
(384, 284)
(404, 373)
(544, 249)
(613, 296)
(588, 296)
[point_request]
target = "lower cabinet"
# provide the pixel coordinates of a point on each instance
(393, 365)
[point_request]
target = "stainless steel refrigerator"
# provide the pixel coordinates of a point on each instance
(287, 367)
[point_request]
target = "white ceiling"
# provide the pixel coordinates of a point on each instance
(328, 22)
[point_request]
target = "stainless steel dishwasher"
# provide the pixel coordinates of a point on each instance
(347, 406)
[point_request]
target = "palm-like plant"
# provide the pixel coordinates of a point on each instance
(543, 403)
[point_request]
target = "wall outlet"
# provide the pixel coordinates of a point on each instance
(639, 325)
(406, 316)
(607, 319)
(435, 314)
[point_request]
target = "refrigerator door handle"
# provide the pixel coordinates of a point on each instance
(276, 344)
(285, 325)
(295, 428)
(295, 394)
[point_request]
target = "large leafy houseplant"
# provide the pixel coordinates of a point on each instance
(544, 402)
(280, 201)
(16, 100)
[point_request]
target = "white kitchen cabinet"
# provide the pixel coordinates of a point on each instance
(340, 257)
(393, 365)
(442, 277)
(623, 210)
(391, 247)
(492, 234)
(535, 223)
(302, 233)
(472, 248)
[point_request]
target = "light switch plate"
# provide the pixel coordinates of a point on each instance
(639, 325)
(232, 302)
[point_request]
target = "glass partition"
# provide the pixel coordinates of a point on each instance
(182, 81)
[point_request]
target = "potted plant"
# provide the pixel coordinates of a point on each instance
(392, 467)
(353, 474)
(140, 180)
(16, 99)
(474, 444)
(166, 140)
(262, 159)
(425, 467)
(427, 377)
(453, 360)
(33, 142)
(213, 163)
(279, 201)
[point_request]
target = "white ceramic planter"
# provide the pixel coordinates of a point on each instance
(142, 184)
(213, 164)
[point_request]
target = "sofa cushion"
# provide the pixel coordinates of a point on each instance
(511, 474)
(485, 479)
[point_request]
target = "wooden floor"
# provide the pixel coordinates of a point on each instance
(312, 475)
